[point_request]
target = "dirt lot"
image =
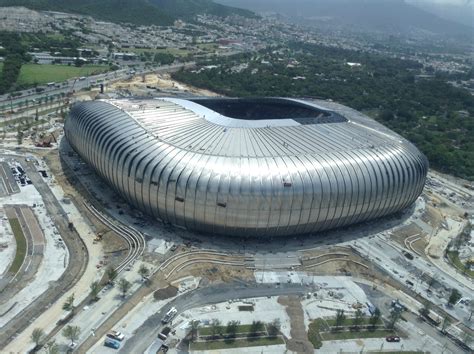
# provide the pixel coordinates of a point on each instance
(165, 293)
(432, 216)
(340, 261)
(216, 273)
(113, 245)
(299, 338)
(160, 82)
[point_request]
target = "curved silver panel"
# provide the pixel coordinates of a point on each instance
(190, 166)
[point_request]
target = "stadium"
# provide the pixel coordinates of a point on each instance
(247, 167)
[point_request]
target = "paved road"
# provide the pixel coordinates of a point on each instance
(11, 284)
(77, 252)
(382, 301)
(77, 85)
(9, 185)
(386, 253)
(149, 330)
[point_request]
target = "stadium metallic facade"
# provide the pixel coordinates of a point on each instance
(318, 165)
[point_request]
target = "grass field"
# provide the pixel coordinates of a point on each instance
(20, 246)
(208, 46)
(174, 51)
(321, 330)
(313, 333)
(379, 333)
(207, 331)
(349, 322)
(239, 343)
(41, 74)
(454, 258)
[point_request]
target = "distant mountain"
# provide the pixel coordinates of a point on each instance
(393, 16)
(461, 11)
(189, 8)
(140, 12)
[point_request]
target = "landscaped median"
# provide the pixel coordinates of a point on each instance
(236, 343)
(325, 329)
(20, 246)
(453, 257)
(235, 335)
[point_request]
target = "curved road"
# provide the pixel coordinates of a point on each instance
(78, 257)
(148, 331)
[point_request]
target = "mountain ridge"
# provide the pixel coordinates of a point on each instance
(138, 12)
(395, 16)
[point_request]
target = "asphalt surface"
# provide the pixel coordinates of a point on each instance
(14, 283)
(77, 85)
(8, 183)
(78, 256)
(386, 253)
(382, 301)
(148, 331)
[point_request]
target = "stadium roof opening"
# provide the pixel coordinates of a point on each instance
(270, 108)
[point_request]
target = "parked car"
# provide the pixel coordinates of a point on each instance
(111, 343)
(116, 335)
(169, 315)
(393, 339)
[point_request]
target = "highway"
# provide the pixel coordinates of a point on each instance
(90, 81)
(148, 331)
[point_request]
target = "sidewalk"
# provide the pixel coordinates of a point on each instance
(47, 321)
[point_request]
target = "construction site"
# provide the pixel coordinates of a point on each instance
(64, 229)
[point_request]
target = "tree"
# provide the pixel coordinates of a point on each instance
(124, 286)
(454, 297)
(395, 315)
(255, 328)
(471, 309)
(375, 317)
(37, 336)
(143, 271)
(340, 318)
(52, 348)
(111, 274)
(467, 338)
(71, 333)
(95, 290)
(19, 136)
(215, 327)
(273, 328)
(446, 323)
(194, 329)
(69, 303)
(425, 311)
(231, 328)
(432, 281)
(357, 320)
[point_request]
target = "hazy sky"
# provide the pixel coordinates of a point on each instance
(455, 2)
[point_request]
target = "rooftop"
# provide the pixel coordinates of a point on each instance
(194, 127)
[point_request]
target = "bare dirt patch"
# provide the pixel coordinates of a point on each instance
(406, 231)
(432, 216)
(165, 293)
(160, 82)
(339, 261)
(114, 246)
(216, 273)
(299, 338)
